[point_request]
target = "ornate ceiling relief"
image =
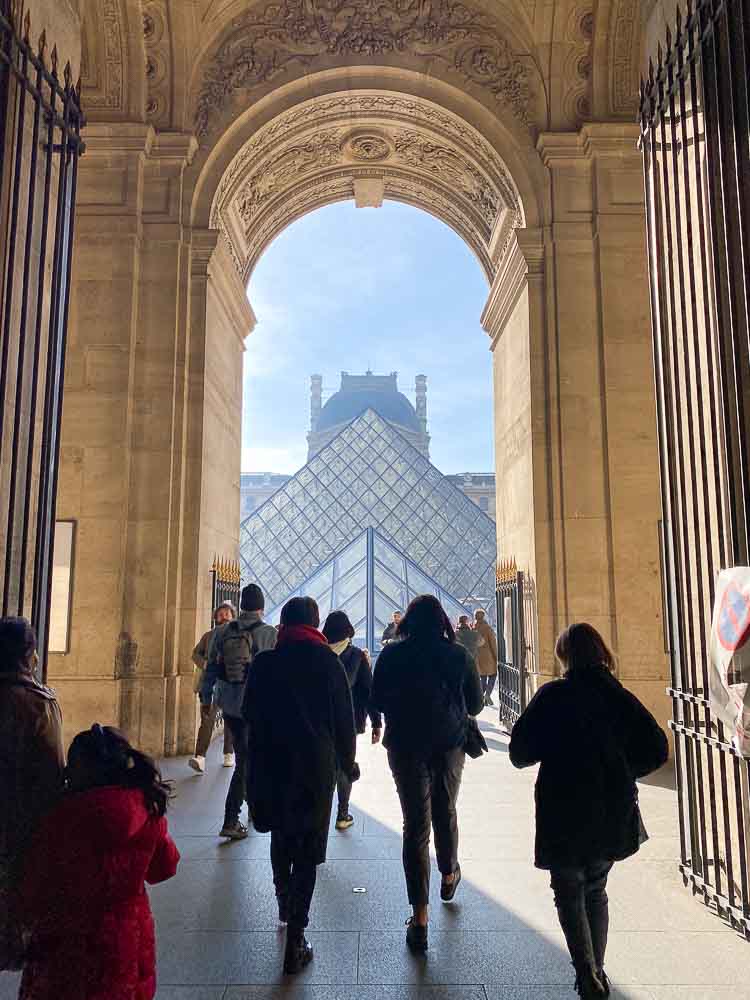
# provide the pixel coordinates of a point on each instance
(265, 41)
(578, 65)
(157, 42)
(625, 42)
(104, 54)
(312, 155)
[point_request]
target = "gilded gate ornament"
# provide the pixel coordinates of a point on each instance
(263, 43)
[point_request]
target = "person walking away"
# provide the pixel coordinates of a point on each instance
(390, 632)
(593, 739)
(31, 769)
(223, 614)
(232, 651)
(339, 632)
(298, 708)
(426, 685)
(90, 926)
(471, 641)
(487, 655)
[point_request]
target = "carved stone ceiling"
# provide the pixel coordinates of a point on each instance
(458, 40)
(311, 155)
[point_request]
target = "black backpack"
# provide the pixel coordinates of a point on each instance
(236, 651)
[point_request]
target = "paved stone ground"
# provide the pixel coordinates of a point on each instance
(216, 921)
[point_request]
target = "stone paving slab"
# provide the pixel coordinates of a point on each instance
(499, 940)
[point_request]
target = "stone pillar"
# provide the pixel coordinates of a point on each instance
(577, 474)
(151, 437)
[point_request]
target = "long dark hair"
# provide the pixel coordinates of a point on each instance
(113, 761)
(580, 647)
(425, 619)
(17, 643)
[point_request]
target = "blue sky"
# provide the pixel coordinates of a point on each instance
(388, 289)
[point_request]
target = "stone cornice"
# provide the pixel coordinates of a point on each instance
(227, 285)
(523, 257)
(118, 138)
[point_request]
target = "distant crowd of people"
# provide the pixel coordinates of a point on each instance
(79, 840)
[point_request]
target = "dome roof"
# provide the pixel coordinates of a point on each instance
(347, 404)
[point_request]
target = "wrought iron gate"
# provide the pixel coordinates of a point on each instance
(225, 584)
(694, 136)
(511, 643)
(40, 142)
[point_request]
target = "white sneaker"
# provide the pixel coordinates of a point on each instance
(228, 760)
(198, 764)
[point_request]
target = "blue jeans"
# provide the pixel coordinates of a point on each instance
(583, 911)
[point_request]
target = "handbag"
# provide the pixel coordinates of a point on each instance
(474, 743)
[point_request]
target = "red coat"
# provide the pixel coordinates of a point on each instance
(92, 932)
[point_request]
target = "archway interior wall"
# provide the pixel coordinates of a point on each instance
(149, 387)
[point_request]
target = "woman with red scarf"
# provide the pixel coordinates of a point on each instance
(293, 762)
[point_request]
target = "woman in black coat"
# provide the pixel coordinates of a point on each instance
(339, 632)
(427, 685)
(301, 731)
(593, 739)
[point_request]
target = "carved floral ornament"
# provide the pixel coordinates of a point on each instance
(425, 155)
(265, 41)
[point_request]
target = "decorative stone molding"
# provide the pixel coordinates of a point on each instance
(157, 39)
(103, 58)
(265, 41)
(625, 39)
(523, 258)
(427, 157)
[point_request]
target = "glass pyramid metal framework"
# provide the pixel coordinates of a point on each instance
(366, 525)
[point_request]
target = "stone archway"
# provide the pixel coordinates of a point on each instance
(253, 114)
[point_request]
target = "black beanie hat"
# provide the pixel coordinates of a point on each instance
(252, 598)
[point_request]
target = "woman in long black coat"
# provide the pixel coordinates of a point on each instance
(301, 731)
(593, 739)
(427, 685)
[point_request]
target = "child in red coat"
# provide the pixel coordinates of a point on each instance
(91, 932)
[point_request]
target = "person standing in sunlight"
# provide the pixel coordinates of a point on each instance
(593, 739)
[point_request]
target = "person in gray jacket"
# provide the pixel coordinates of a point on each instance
(233, 649)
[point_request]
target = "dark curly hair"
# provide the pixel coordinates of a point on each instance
(425, 618)
(115, 762)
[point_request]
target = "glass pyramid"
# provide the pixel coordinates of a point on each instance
(370, 477)
(369, 579)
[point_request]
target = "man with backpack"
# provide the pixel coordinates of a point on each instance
(235, 646)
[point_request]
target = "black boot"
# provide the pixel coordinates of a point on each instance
(588, 984)
(416, 936)
(299, 951)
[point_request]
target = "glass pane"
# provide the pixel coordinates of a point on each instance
(356, 552)
(350, 585)
(388, 556)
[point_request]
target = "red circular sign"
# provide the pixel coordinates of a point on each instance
(734, 618)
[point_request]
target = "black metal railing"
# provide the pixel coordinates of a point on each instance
(225, 584)
(40, 143)
(694, 137)
(511, 643)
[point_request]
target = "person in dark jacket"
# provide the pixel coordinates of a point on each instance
(339, 632)
(31, 770)
(593, 739)
(426, 685)
(390, 632)
(293, 763)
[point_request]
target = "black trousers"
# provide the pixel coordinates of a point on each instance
(428, 790)
(488, 684)
(293, 876)
(583, 911)
(344, 793)
(237, 792)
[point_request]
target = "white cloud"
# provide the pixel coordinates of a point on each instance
(262, 459)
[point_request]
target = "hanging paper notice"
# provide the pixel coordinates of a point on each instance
(729, 650)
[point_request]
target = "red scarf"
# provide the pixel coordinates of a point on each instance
(300, 633)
